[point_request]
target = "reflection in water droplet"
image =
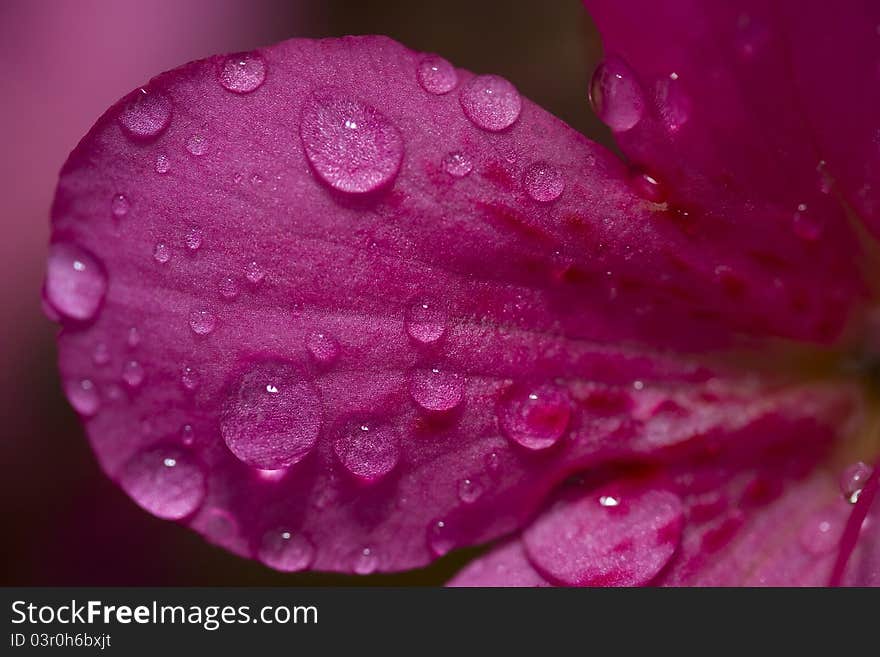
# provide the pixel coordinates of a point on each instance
(163, 164)
(490, 102)
(254, 273)
(228, 288)
(469, 490)
(83, 396)
(286, 551)
(197, 145)
(853, 480)
(323, 347)
(189, 378)
(535, 417)
(133, 374)
(436, 75)
(435, 390)
(146, 114)
(457, 164)
(648, 187)
(243, 72)
(119, 206)
(425, 323)
(75, 282)
(440, 539)
(544, 182)
(193, 239)
(165, 481)
(367, 450)
(673, 104)
(366, 562)
(616, 95)
(202, 322)
(161, 253)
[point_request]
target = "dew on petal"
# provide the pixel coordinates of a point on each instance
(352, 147)
(491, 102)
(161, 253)
(75, 282)
(254, 273)
(272, 416)
(83, 396)
(228, 288)
(165, 481)
(435, 390)
(133, 374)
(243, 72)
(286, 551)
(119, 206)
(193, 239)
(146, 114)
(440, 538)
(133, 337)
(163, 164)
(648, 187)
(853, 480)
(436, 75)
(805, 224)
(673, 104)
(367, 450)
(202, 322)
(470, 490)
(425, 323)
(187, 434)
(365, 562)
(323, 347)
(101, 354)
(197, 145)
(616, 95)
(821, 532)
(544, 182)
(535, 417)
(457, 164)
(189, 378)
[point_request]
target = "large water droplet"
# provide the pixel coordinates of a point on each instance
(323, 347)
(146, 114)
(425, 323)
(853, 480)
(435, 390)
(286, 551)
(457, 164)
(351, 146)
(133, 374)
(75, 282)
(616, 95)
(544, 182)
(243, 72)
(581, 542)
(367, 450)
(202, 322)
(272, 417)
(491, 102)
(436, 75)
(535, 417)
(365, 562)
(83, 396)
(165, 481)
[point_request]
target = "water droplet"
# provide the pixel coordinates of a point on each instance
(351, 146)
(83, 396)
(493, 462)
(163, 165)
(469, 490)
(75, 282)
(616, 95)
(752, 36)
(440, 540)
(367, 450)
(535, 417)
(146, 114)
(271, 430)
(436, 391)
(197, 145)
(436, 75)
(119, 206)
(853, 480)
(821, 532)
(286, 551)
(425, 323)
(165, 481)
(323, 347)
(254, 273)
(133, 339)
(648, 187)
(228, 288)
(366, 562)
(457, 164)
(133, 374)
(193, 239)
(101, 354)
(673, 104)
(243, 72)
(544, 182)
(202, 322)
(825, 182)
(189, 378)
(161, 253)
(187, 434)
(805, 224)
(491, 102)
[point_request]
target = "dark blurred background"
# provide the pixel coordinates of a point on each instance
(63, 63)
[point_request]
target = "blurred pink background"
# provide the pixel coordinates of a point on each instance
(64, 63)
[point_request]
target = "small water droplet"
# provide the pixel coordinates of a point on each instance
(440, 539)
(163, 164)
(805, 224)
(243, 72)
(367, 450)
(457, 164)
(493, 462)
(366, 562)
(133, 374)
(673, 104)
(101, 354)
(616, 95)
(352, 147)
(469, 490)
(648, 187)
(197, 145)
(146, 114)
(435, 390)
(161, 253)
(436, 75)
(254, 273)
(425, 323)
(491, 102)
(271, 430)
(119, 206)
(75, 282)
(133, 338)
(83, 397)
(752, 36)
(286, 551)
(228, 288)
(825, 182)
(323, 347)
(853, 480)
(189, 378)
(202, 322)
(165, 481)
(535, 417)
(187, 434)
(821, 532)
(193, 239)
(544, 182)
